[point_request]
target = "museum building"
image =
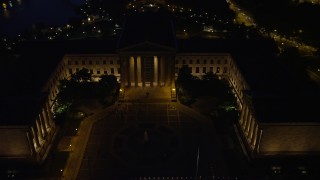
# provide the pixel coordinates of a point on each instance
(277, 116)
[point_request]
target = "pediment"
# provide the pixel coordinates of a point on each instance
(146, 47)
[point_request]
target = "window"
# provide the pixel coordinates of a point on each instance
(190, 62)
(177, 61)
(90, 62)
(98, 71)
(198, 62)
(69, 62)
(119, 70)
(111, 62)
(204, 70)
(97, 62)
(83, 62)
(105, 72)
(218, 62)
(225, 61)
(70, 71)
(112, 70)
(211, 61)
(218, 69)
(197, 69)
(91, 71)
(176, 70)
(183, 61)
(190, 69)
(104, 62)
(225, 70)
(211, 69)
(204, 61)
(77, 69)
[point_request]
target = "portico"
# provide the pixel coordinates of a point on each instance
(147, 65)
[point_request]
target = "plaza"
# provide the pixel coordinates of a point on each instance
(141, 139)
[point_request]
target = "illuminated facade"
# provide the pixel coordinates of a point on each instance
(26, 132)
(136, 68)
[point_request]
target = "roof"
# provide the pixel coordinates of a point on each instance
(154, 27)
(20, 109)
(288, 108)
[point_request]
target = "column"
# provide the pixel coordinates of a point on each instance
(258, 140)
(159, 71)
(143, 74)
(248, 124)
(162, 73)
(32, 144)
(135, 72)
(251, 128)
(242, 115)
(39, 133)
(155, 63)
(35, 138)
(171, 68)
(43, 126)
(49, 116)
(131, 67)
(139, 71)
(124, 71)
(254, 137)
(44, 117)
(245, 119)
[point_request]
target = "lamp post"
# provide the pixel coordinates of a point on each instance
(121, 94)
(173, 94)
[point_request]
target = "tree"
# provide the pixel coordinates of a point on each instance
(82, 76)
(185, 75)
(109, 81)
(185, 85)
(210, 76)
(108, 87)
(65, 97)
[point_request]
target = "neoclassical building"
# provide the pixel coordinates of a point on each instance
(276, 113)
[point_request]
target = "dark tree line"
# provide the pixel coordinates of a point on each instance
(190, 87)
(80, 86)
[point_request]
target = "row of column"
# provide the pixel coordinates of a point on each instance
(134, 71)
(43, 129)
(250, 127)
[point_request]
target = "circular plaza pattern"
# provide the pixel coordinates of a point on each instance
(146, 144)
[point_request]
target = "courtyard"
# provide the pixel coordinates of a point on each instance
(142, 139)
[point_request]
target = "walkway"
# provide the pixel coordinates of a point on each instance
(72, 167)
(109, 141)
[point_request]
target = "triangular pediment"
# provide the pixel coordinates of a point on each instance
(146, 47)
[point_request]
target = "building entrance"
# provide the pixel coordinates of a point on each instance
(148, 70)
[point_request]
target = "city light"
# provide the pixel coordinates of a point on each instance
(4, 5)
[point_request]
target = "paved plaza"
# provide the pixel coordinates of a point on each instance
(141, 139)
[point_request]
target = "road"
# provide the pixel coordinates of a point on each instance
(282, 40)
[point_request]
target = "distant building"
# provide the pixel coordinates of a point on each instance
(277, 116)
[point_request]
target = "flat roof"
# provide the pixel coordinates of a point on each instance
(291, 108)
(20, 109)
